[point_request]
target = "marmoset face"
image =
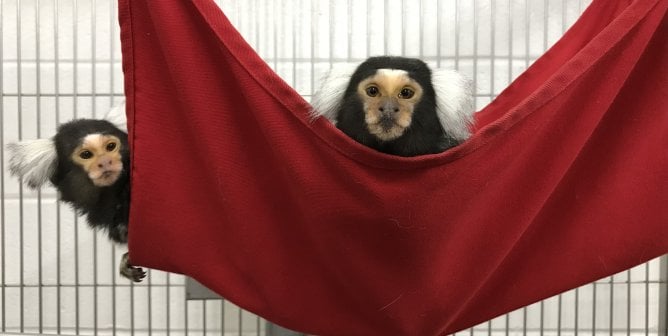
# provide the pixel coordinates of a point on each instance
(389, 98)
(99, 155)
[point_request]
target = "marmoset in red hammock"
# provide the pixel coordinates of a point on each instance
(88, 162)
(398, 105)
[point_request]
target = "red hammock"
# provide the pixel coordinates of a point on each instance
(564, 181)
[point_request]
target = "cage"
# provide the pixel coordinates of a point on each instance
(61, 60)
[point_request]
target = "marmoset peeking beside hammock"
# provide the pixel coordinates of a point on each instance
(88, 162)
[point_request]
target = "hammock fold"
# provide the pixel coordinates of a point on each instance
(564, 181)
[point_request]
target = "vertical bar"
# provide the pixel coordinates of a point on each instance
(240, 320)
(593, 313)
(542, 318)
(169, 289)
(439, 27)
(492, 48)
(94, 99)
(421, 12)
(628, 302)
(39, 191)
(75, 72)
(612, 305)
(204, 317)
(646, 299)
(563, 17)
(149, 304)
(457, 33)
(546, 19)
(663, 297)
(368, 28)
(275, 23)
(331, 33)
(19, 78)
(113, 289)
(2, 176)
(314, 30)
(132, 308)
(257, 26)
(524, 321)
(295, 26)
(559, 299)
(113, 246)
(527, 36)
(57, 102)
(403, 27)
(475, 49)
(510, 41)
(576, 324)
(185, 313)
(386, 24)
(222, 317)
(349, 13)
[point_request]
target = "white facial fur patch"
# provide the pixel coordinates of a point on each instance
(93, 140)
(392, 73)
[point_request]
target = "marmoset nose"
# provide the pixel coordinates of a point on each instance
(389, 108)
(105, 163)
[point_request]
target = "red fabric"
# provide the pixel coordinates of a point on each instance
(564, 181)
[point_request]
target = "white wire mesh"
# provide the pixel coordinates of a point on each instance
(61, 60)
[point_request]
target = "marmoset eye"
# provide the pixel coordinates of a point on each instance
(86, 155)
(406, 93)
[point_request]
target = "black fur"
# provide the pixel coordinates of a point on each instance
(425, 135)
(105, 207)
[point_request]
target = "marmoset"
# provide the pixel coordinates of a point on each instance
(88, 162)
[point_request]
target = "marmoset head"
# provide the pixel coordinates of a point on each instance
(397, 105)
(390, 90)
(95, 148)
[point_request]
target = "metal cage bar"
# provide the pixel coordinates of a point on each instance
(61, 59)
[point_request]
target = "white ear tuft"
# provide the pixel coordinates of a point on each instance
(117, 116)
(33, 160)
(327, 100)
(454, 102)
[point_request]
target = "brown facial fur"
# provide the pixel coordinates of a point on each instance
(102, 164)
(390, 83)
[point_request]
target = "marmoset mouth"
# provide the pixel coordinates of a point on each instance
(106, 178)
(387, 123)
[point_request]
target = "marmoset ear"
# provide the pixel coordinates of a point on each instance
(116, 116)
(327, 100)
(454, 102)
(33, 160)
